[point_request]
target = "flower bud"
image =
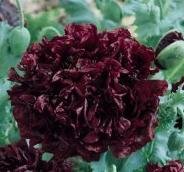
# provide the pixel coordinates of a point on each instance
(176, 141)
(171, 59)
(19, 40)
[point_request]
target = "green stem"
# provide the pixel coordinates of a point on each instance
(46, 29)
(161, 9)
(19, 5)
(182, 129)
(112, 168)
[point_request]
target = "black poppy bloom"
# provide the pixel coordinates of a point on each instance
(86, 92)
(21, 157)
(173, 166)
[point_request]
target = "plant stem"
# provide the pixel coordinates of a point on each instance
(161, 9)
(19, 5)
(46, 29)
(182, 129)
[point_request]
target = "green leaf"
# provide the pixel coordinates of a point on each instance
(153, 18)
(141, 169)
(164, 6)
(167, 116)
(110, 9)
(4, 30)
(181, 156)
(100, 166)
(107, 163)
(134, 161)
(74, 6)
(168, 110)
(107, 25)
(147, 23)
(160, 148)
(147, 18)
(7, 59)
(9, 132)
(78, 11)
(46, 156)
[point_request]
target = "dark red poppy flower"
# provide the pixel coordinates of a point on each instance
(173, 166)
(21, 157)
(86, 92)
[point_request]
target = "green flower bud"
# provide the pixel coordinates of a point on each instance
(19, 40)
(176, 141)
(171, 59)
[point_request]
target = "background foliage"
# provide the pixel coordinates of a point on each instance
(148, 20)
